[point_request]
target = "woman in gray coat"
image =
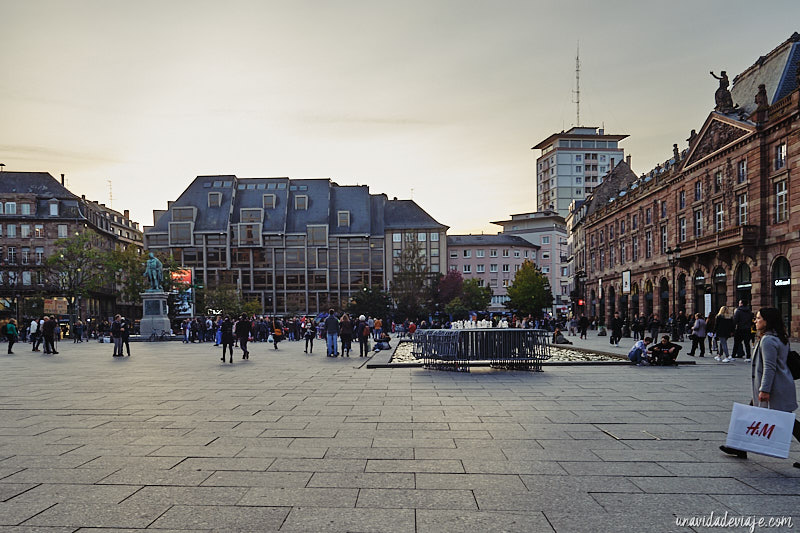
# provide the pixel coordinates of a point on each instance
(772, 382)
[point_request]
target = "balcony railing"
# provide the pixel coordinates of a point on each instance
(740, 235)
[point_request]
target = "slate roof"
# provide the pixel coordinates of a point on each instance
(619, 179)
(42, 184)
(500, 239)
(370, 214)
(776, 71)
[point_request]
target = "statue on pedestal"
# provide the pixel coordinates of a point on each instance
(154, 272)
(722, 96)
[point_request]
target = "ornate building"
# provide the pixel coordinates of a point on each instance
(716, 223)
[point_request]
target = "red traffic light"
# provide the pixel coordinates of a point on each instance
(580, 302)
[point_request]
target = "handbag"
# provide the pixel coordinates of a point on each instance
(793, 362)
(270, 338)
(760, 430)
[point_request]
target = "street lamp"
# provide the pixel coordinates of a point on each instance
(673, 257)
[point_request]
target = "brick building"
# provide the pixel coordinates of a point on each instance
(730, 202)
(491, 259)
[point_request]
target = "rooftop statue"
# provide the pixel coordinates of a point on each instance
(154, 272)
(762, 101)
(722, 96)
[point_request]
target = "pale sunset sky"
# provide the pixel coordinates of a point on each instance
(444, 98)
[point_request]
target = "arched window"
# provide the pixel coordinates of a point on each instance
(719, 291)
(699, 292)
(663, 299)
(648, 298)
(635, 300)
(782, 289)
(681, 293)
(743, 284)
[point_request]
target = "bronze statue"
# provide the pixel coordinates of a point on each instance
(722, 96)
(154, 272)
(762, 101)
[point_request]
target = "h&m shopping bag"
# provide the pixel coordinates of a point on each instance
(760, 430)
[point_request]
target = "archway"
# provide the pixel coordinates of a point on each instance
(593, 304)
(635, 300)
(648, 298)
(719, 290)
(681, 294)
(612, 302)
(699, 292)
(663, 300)
(782, 289)
(743, 284)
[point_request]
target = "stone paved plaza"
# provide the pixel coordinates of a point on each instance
(171, 439)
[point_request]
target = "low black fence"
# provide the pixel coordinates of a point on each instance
(457, 349)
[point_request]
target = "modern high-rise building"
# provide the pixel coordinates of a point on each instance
(572, 164)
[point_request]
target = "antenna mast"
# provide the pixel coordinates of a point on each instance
(577, 90)
(110, 195)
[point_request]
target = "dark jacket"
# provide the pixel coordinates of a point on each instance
(243, 329)
(724, 327)
(227, 332)
(332, 325)
(743, 318)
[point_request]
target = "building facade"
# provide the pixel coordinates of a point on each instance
(36, 210)
(491, 259)
(572, 164)
(728, 203)
(293, 245)
(546, 229)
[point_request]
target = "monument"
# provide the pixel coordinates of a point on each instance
(154, 300)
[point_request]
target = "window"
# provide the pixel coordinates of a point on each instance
(467, 253)
(481, 282)
(11, 231)
(12, 255)
(741, 171)
(635, 249)
(301, 202)
(648, 244)
(516, 253)
(602, 259)
(53, 209)
(467, 269)
(546, 239)
(663, 239)
(593, 261)
(681, 199)
(634, 222)
(180, 233)
(682, 229)
(506, 268)
(698, 223)
(578, 181)
(505, 283)
(719, 220)
(434, 237)
(39, 255)
(183, 214)
(251, 215)
(622, 253)
(780, 157)
(25, 256)
(741, 209)
(421, 237)
(698, 191)
(493, 268)
(718, 181)
(480, 269)
(11, 208)
(268, 201)
(601, 237)
(545, 270)
(516, 268)
(25, 209)
(578, 168)
(505, 253)
(621, 227)
(663, 209)
(343, 218)
(480, 253)
(611, 231)
(318, 236)
(492, 253)
(545, 255)
(781, 202)
(453, 254)
(25, 231)
(26, 278)
(397, 237)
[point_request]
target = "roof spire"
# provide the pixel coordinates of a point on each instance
(577, 90)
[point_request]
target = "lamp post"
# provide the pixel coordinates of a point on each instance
(580, 276)
(673, 257)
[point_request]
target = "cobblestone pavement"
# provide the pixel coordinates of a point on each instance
(171, 439)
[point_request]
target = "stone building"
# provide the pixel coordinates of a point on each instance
(491, 259)
(293, 245)
(729, 203)
(35, 211)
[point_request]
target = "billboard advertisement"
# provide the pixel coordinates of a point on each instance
(182, 281)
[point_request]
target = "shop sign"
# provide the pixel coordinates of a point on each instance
(783, 282)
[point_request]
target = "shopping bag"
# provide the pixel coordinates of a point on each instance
(270, 338)
(760, 430)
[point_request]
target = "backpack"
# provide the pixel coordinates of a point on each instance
(793, 362)
(365, 331)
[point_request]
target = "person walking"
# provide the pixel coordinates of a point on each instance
(77, 331)
(654, 325)
(363, 334)
(226, 337)
(583, 325)
(125, 332)
(309, 335)
(116, 335)
(49, 334)
(35, 335)
(698, 335)
(277, 334)
(11, 334)
(724, 329)
(742, 321)
(243, 330)
(332, 333)
(346, 334)
(772, 382)
(616, 330)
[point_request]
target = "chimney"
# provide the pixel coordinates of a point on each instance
(612, 164)
(628, 160)
(127, 214)
(62, 180)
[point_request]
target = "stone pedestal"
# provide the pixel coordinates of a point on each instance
(154, 313)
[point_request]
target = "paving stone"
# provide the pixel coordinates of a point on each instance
(14, 513)
(59, 475)
(135, 476)
(446, 521)
(222, 518)
(61, 493)
(416, 499)
(310, 497)
(761, 505)
(618, 468)
(369, 453)
(497, 500)
(98, 515)
(641, 520)
(470, 481)
(480, 466)
(414, 465)
(305, 519)
(691, 485)
(318, 465)
(246, 464)
(363, 480)
(256, 479)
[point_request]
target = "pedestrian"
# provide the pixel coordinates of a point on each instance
(242, 330)
(362, 334)
(742, 320)
(125, 331)
(583, 325)
(378, 328)
(638, 354)
(616, 330)
(77, 331)
(711, 327)
(218, 333)
(11, 334)
(116, 335)
(724, 329)
(772, 382)
(35, 335)
(309, 335)
(654, 326)
(226, 337)
(346, 334)
(698, 335)
(277, 334)
(48, 328)
(332, 333)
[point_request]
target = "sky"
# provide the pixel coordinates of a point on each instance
(435, 100)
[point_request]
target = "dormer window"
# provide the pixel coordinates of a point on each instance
(301, 202)
(251, 215)
(269, 201)
(344, 218)
(53, 209)
(183, 214)
(214, 199)
(180, 233)
(11, 208)
(25, 209)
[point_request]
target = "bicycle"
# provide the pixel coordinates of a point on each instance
(157, 337)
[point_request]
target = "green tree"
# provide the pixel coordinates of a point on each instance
(530, 291)
(410, 287)
(77, 267)
(475, 297)
(224, 298)
(370, 301)
(126, 268)
(456, 309)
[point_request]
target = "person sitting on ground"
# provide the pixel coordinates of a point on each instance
(665, 352)
(558, 337)
(638, 354)
(383, 343)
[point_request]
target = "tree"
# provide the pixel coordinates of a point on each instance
(410, 287)
(224, 298)
(456, 309)
(530, 291)
(77, 266)
(126, 268)
(475, 297)
(370, 301)
(448, 287)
